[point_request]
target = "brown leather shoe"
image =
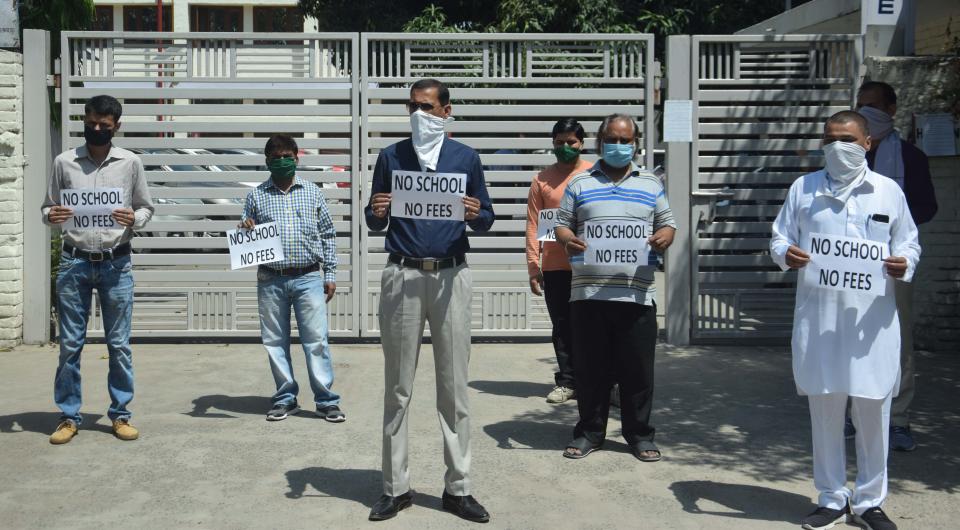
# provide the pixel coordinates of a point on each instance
(64, 433)
(123, 430)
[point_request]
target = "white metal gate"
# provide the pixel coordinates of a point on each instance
(197, 109)
(507, 91)
(760, 104)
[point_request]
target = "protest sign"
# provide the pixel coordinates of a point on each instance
(845, 264)
(436, 196)
(257, 246)
(617, 243)
(92, 207)
(547, 225)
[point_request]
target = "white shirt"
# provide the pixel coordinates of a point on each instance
(846, 342)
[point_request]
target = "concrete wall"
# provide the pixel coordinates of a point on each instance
(934, 19)
(937, 284)
(919, 82)
(11, 198)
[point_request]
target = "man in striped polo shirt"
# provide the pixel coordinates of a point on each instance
(609, 219)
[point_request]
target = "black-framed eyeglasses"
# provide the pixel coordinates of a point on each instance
(413, 106)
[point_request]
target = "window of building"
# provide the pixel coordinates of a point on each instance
(277, 19)
(144, 18)
(216, 18)
(103, 19)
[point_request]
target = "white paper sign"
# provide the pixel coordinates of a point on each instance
(937, 134)
(257, 246)
(678, 120)
(92, 208)
(616, 243)
(881, 12)
(845, 264)
(436, 196)
(547, 225)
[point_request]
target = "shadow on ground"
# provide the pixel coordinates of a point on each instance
(520, 389)
(235, 404)
(362, 486)
(45, 422)
(721, 408)
(741, 501)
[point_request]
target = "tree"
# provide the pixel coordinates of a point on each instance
(56, 16)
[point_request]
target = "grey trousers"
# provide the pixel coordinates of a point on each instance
(409, 297)
(900, 408)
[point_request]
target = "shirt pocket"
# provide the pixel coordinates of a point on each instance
(878, 229)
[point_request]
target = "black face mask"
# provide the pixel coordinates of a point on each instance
(95, 137)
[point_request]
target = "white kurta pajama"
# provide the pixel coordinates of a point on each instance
(847, 344)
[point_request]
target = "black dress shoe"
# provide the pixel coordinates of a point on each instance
(387, 507)
(466, 507)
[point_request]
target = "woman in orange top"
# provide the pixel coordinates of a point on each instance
(550, 269)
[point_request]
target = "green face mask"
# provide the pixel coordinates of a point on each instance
(566, 154)
(282, 168)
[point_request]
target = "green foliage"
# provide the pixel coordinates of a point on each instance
(56, 16)
(431, 20)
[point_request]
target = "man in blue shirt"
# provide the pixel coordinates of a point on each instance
(427, 279)
(305, 279)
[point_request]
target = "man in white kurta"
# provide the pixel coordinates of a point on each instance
(847, 343)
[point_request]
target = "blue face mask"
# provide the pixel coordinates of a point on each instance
(617, 155)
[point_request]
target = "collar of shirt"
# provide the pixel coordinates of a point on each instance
(114, 153)
(867, 186)
(597, 170)
(297, 182)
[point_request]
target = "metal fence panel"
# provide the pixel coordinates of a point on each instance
(197, 109)
(507, 91)
(760, 104)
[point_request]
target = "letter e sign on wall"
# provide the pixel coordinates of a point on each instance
(881, 12)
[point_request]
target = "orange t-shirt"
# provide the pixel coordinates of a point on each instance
(546, 190)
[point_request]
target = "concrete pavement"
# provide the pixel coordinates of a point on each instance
(735, 438)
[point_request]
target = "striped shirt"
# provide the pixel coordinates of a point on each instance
(592, 196)
(306, 229)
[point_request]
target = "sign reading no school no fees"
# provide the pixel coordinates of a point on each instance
(436, 196)
(92, 207)
(617, 243)
(257, 246)
(547, 224)
(846, 264)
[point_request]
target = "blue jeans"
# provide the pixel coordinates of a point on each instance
(75, 284)
(275, 295)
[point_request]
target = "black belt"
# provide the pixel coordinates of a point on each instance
(291, 271)
(428, 264)
(110, 253)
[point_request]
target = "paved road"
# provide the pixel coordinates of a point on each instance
(734, 434)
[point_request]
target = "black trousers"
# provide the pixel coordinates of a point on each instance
(556, 292)
(614, 338)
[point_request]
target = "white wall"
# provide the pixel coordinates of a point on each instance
(11, 198)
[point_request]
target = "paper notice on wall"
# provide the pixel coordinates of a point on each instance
(435, 196)
(937, 134)
(678, 120)
(92, 208)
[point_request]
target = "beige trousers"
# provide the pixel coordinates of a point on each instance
(409, 297)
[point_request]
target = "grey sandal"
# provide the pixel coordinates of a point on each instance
(583, 445)
(645, 445)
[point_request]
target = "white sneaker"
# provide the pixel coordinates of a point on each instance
(559, 394)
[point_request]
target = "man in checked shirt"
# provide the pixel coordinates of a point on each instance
(305, 279)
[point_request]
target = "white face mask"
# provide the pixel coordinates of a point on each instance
(845, 161)
(879, 123)
(427, 135)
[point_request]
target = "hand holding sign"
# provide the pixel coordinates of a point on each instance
(124, 216)
(896, 266)
(662, 239)
(471, 208)
(796, 258)
(380, 204)
(59, 214)
(257, 246)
